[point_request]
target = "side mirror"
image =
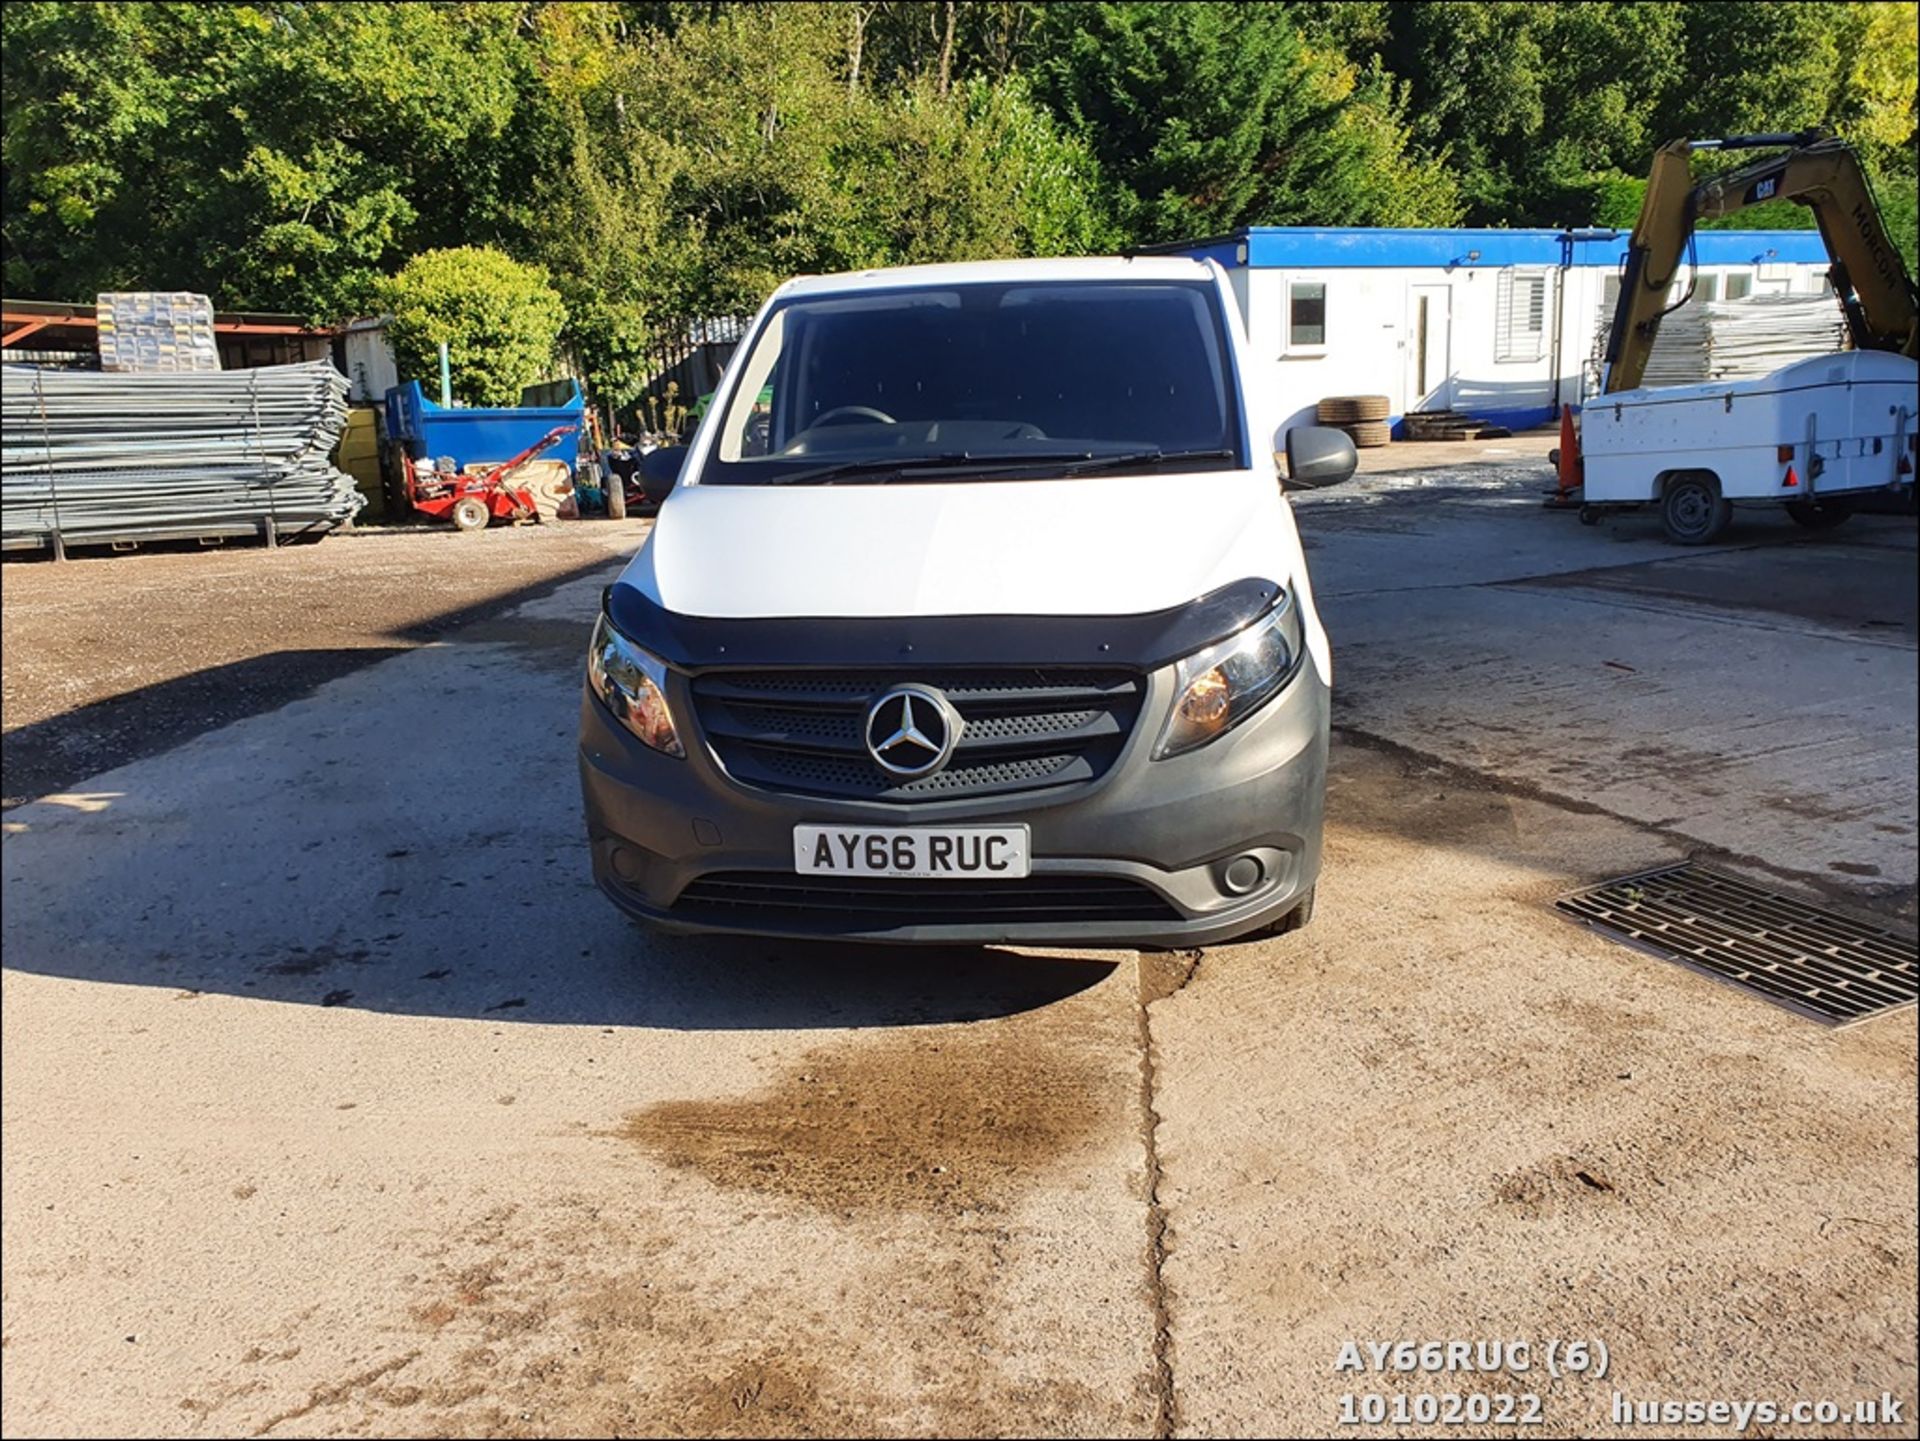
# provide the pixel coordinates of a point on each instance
(1319, 455)
(659, 469)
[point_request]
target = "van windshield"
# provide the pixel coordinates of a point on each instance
(980, 381)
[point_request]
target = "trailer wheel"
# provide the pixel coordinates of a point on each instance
(1591, 515)
(1692, 509)
(1816, 515)
(469, 514)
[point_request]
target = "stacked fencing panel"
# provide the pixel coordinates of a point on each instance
(95, 456)
(155, 330)
(1742, 339)
(1758, 335)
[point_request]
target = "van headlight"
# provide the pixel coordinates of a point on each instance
(1217, 688)
(633, 685)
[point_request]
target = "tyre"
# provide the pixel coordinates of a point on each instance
(1817, 515)
(1292, 921)
(1348, 409)
(1590, 515)
(469, 514)
(1692, 510)
(1298, 917)
(1368, 434)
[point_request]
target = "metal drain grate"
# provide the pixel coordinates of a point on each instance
(1814, 962)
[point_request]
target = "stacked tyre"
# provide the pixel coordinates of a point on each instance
(1362, 417)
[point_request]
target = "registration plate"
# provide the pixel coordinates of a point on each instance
(918, 852)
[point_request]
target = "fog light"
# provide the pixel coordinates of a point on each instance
(626, 862)
(1242, 874)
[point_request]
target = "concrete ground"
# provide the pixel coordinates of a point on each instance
(237, 630)
(337, 1102)
(1423, 457)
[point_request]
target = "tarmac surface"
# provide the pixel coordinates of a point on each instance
(336, 1100)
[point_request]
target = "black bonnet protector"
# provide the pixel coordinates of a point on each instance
(1146, 642)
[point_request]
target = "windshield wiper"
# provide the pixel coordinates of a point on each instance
(931, 467)
(1082, 464)
(1075, 462)
(828, 474)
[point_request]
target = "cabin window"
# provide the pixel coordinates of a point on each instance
(1307, 315)
(1520, 316)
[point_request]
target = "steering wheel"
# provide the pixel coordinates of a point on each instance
(862, 412)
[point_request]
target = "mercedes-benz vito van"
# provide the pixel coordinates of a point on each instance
(976, 614)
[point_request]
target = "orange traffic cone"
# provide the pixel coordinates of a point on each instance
(1571, 476)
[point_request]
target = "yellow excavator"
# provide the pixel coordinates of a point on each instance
(1817, 170)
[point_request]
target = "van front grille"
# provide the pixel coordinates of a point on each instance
(853, 904)
(801, 731)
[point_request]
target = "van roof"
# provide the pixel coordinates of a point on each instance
(1001, 272)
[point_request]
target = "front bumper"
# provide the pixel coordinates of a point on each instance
(659, 824)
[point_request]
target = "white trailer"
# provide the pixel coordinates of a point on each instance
(1814, 436)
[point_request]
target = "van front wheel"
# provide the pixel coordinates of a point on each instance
(1293, 920)
(1692, 510)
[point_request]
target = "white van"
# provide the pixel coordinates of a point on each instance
(976, 614)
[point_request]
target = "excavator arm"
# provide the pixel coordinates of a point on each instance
(1874, 289)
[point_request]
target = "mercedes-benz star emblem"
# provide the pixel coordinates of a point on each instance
(912, 730)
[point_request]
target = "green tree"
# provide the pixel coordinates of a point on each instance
(1875, 107)
(1206, 117)
(893, 44)
(1787, 67)
(500, 320)
(278, 156)
(744, 111)
(348, 129)
(1475, 72)
(1552, 112)
(1596, 122)
(582, 187)
(980, 173)
(767, 162)
(88, 90)
(1880, 58)
(1754, 68)
(1356, 29)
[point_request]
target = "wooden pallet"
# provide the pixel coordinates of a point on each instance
(1451, 425)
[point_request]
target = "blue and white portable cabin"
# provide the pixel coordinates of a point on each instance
(1498, 324)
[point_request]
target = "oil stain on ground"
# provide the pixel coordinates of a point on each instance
(941, 1123)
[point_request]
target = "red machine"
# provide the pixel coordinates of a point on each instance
(471, 502)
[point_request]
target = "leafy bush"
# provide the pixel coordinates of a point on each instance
(609, 342)
(500, 321)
